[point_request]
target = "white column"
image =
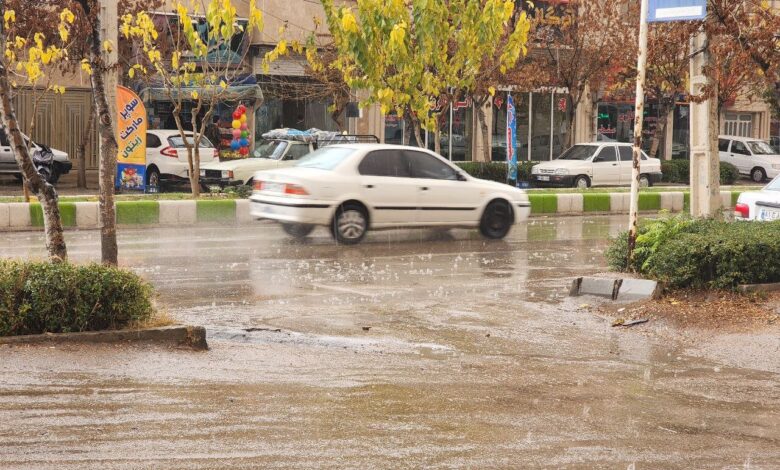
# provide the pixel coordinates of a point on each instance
(705, 162)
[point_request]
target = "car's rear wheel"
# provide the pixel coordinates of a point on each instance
(350, 224)
(644, 181)
(496, 220)
(297, 230)
(758, 175)
(582, 182)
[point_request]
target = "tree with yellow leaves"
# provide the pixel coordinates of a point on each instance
(193, 65)
(31, 57)
(406, 53)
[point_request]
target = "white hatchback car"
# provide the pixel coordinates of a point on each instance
(760, 205)
(353, 188)
(595, 164)
(752, 157)
(166, 156)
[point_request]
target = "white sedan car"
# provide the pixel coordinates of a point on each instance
(760, 205)
(354, 188)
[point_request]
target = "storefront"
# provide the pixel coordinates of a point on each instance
(542, 125)
(615, 123)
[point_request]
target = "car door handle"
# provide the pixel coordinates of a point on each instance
(614, 164)
(370, 186)
(424, 188)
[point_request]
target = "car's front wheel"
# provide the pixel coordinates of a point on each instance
(758, 175)
(581, 182)
(350, 224)
(644, 181)
(297, 230)
(153, 177)
(496, 220)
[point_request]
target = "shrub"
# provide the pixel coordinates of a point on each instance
(679, 171)
(496, 171)
(682, 252)
(40, 297)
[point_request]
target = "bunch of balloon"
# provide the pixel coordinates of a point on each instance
(240, 142)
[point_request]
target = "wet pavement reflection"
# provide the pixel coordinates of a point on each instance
(413, 349)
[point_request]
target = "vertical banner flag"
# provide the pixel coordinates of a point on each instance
(511, 139)
(131, 137)
(676, 10)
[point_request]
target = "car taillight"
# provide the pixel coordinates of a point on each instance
(257, 185)
(170, 152)
(295, 190)
(742, 210)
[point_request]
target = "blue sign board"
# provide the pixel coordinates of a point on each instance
(676, 10)
(511, 139)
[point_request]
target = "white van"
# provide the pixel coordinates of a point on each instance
(752, 157)
(595, 164)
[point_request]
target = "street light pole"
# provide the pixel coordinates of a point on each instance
(639, 111)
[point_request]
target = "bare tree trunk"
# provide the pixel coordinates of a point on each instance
(417, 133)
(407, 134)
(479, 104)
(437, 138)
(108, 145)
(660, 129)
(47, 195)
(81, 154)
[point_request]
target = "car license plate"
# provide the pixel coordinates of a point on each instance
(273, 187)
(543, 178)
(268, 209)
(769, 214)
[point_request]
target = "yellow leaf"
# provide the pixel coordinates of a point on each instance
(194, 94)
(86, 66)
(108, 46)
(131, 73)
(348, 22)
(9, 17)
(492, 91)
(63, 32)
(222, 84)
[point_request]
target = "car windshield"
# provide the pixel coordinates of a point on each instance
(760, 148)
(177, 142)
(273, 149)
(326, 158)
(578, 152)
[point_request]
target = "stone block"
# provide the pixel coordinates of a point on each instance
(598, 286)
(87, 214)
(619, 202)
(19, 214)
(242, 211)
(673, 202)
(636, 289)
(5, 217)
(178, 213)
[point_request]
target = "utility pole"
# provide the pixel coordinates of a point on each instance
(639, 111)
(705, 161)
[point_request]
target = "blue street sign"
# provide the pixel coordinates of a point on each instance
(676, 10)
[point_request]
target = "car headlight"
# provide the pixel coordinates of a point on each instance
(561, 171)
(534, 170)
(227, 174)
(202, 173)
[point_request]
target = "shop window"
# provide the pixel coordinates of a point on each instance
(499, 125)
(541, 127)
(681, 132)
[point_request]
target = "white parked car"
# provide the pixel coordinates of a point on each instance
(268, 155)
(595, 164)
(353, 188)
(752, 157)
(760, 205)
(166, 156)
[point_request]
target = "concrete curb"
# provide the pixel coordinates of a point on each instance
(773, 287)
(17, 216)
(188, 336)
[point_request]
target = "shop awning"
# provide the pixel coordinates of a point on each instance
(232, 93)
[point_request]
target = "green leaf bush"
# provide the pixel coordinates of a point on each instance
(496, 171)
(679, 171)
(42, 297)
(681, 252)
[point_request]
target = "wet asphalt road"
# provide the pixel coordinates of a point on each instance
(415, 349)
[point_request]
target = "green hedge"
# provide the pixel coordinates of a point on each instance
(679, 171)
(682, 252)
(67, 214)
(216, 210)
(543, 203)
(40, 297)
(137, 212)
(598, 202)
(496, 171)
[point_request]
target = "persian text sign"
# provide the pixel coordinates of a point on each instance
(131, 139)
(676, 10)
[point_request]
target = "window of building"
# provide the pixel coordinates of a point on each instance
(681, 132)
(738, 124)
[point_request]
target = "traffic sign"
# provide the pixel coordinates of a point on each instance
(676, 10)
